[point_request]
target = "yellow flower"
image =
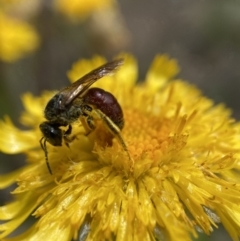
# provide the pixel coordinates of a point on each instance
(80, 9)
(183, 177)
(17, 38)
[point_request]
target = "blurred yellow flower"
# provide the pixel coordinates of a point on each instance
(184, 179)
(17, 38)
(80, 9)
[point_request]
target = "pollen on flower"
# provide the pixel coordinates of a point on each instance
(181, 177)
(144, 133)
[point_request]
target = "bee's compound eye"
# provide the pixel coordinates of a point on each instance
(52, 133)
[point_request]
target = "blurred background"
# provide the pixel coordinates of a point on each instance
(41, 39)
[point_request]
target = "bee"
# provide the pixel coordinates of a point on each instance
(78, 101)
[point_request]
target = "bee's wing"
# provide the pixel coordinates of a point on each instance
(79, 87)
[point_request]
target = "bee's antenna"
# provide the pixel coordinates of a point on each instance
(44, 147)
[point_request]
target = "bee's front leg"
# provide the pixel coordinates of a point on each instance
(66, 136)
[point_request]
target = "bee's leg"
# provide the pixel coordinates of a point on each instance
(68, 131)
(88, 124)
(67, 138)
(114, 130)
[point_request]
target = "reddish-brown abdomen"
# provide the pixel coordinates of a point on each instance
(105, 102)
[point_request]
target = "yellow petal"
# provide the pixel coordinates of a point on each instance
(20, 210)
(13, 140)
(17, 38)
(8, 179)
(161, 70)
